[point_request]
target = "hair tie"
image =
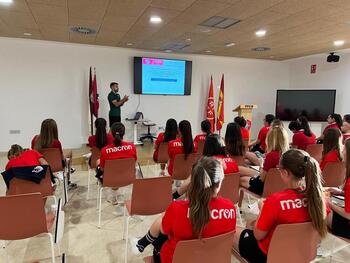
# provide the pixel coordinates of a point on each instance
(306, 159)
(117, 133)
(206, 178)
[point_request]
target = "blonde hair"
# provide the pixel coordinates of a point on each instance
(277, 139)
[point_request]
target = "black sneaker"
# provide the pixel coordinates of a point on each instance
(72, 186)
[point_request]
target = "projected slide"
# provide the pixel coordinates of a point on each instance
(163, 76)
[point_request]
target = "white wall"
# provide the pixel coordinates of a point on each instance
(42, 79)
(328, 76)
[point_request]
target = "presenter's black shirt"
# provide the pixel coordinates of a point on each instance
(114, 110)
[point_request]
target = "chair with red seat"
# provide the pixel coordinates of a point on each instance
(205, 250)
(230, 190)
(315, 151)
(333, 174)
(20, 186)
(91, 164)
(301, 239)
(117, 173)
(146, 202)
(23, 216)
(273, 184)
(163, 155)
(183, 167)
(54, 157)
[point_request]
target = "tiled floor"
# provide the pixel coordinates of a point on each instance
(84, 242)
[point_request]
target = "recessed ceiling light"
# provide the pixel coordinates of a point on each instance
(259, 49)
(155, 19)
(188, 39)
(7, 2)
(208, 51)
(168, 51)
(260, 33)
(338, 43)
(205, 30)
(27, 34)
(129, 44)
(230, 44)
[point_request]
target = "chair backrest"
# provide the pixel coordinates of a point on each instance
(206, 250)
(95, 155)
(119, 172)
(239, 160)
(334, 174)
(163, 155)
(293, 243)
(273, 182)
(20, 186)
(230, 187)
(151, 196)
(54, 157)
(22, 216)
(315, 151)
(200, 147)
(183, 167)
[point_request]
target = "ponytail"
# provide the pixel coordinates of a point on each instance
(301, 165)
(314, 195)
(207, 173)
(118, 131)
(187, 139)
(101, 133)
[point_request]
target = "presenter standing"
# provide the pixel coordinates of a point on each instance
(115, 103)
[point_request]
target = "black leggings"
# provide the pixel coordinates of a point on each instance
(157, 246)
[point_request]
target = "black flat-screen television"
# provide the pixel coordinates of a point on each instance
(159, 76)
(316, 105)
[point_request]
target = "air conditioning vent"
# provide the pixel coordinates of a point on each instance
(176, 46)
(261, 49)
(219, 22)
(83, 30)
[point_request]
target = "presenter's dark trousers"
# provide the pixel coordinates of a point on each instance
(113, 119)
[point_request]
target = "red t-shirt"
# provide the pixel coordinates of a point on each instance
(27, 158)
(331, 157)
(301, 141)
(92, 140)
(177, 226)
(159, 140)
(175, 147)
(333, 125)
(262, 137)
(272, 159)
(245, 134)
(55, 144)
(200, 137)
(112, 152)
(230, 166)
(286, 207)
(346, 136)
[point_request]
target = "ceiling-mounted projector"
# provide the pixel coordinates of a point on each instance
(333, 58)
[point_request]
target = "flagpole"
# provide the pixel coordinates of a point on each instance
(91, 117)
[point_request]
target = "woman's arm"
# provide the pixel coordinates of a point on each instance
(339, 210)
(42, 161)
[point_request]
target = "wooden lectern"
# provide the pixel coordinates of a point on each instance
(246, 110)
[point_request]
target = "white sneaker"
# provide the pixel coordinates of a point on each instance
(133, 241)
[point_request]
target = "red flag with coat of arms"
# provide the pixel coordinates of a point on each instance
(220, 113)
(93, 96)
(210, 106)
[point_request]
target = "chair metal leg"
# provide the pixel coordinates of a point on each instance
(124, 223)
(98, 194)
(88, 184)
(238, 211)
(127, 239)
(52, 248)
(65, 188)
(100, 208)
(3, 244)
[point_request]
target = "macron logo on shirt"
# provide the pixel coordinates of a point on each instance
(219, 214)
(178, 144)
(293, 204)
(119, 149)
